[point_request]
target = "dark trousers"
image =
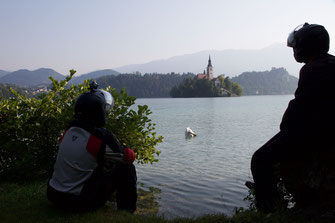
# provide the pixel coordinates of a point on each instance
(98, 189)
(265, 166)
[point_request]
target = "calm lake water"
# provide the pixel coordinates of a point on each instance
(206, 174)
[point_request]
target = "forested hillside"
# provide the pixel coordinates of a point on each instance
(144, 86)
(92, 75)
(274, 82)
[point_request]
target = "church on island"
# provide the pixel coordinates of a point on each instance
(205, 85)
(209, 74)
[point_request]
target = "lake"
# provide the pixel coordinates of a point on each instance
(206, 174)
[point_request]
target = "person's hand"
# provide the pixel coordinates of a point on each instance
(129, 155)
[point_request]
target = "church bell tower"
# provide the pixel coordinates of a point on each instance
(210, 69)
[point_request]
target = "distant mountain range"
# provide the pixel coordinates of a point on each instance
(3, 73)
(93, 75)
(27, 78)
(228, 62)
(274, 82)
(40, 77)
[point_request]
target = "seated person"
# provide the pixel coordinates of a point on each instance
(305, 142)
(91, 163)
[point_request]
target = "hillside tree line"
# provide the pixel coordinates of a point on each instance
(144, 86)
(277, 81)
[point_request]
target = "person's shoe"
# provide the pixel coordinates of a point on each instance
(250, 185)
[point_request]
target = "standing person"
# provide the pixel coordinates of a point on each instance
(306, 131)
(91, 163)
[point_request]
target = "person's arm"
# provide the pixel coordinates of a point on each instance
(118, 151)
(300, 109)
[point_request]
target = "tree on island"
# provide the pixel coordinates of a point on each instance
(203, 87)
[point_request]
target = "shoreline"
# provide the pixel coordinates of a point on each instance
(27, 202)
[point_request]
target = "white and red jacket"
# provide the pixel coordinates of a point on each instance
(81, 152)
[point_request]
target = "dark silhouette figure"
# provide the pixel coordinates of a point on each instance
(302, 155)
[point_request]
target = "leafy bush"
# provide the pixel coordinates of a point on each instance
(30, 129)
(5, 91)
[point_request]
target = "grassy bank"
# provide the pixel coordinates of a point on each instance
(27, 203)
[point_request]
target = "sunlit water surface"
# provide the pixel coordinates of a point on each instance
(206, 174)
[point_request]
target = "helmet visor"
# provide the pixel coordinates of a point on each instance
(292, 40)
(109, 100)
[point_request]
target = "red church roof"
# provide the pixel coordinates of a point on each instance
(202, 76)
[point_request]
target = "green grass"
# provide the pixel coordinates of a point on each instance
(27, 203)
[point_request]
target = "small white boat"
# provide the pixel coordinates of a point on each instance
(189, 132)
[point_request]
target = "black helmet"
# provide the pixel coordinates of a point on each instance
(308, 40)
(93, 106)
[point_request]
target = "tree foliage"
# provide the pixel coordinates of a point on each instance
(144, 86)
(5, 91)
(193, 87)
(30, 129)
(274, 82)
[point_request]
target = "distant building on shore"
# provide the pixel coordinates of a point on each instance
(41, 90)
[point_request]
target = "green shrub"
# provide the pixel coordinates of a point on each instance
(30, 129)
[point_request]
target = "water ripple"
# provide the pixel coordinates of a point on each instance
(206, 174)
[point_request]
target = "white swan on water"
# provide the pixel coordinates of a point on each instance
(189, 132)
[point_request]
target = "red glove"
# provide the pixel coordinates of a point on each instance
(128, 155)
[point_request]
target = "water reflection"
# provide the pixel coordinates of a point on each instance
(147, 201)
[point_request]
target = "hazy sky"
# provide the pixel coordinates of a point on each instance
(88, 35)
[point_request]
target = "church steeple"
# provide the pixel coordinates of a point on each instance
(210, 69)
(209, 61)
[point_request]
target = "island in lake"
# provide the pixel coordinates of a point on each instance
(204, 85)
